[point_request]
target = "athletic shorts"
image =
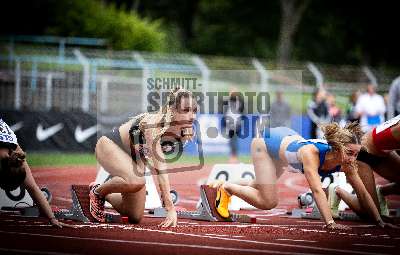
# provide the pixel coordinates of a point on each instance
(273, 138)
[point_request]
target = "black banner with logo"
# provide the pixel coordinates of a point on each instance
(49, 131)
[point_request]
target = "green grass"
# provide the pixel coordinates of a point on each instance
(60, 159)
(53, 159)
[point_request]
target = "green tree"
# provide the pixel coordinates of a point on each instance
(91, 18)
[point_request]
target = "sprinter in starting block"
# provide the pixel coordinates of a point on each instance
(15, 171)
(378, 153)
(142, 141)
(281, 148)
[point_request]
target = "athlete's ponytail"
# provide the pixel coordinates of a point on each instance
(339, 137)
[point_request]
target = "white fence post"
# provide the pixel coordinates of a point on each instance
(49, 87)
(263, 74)
(370, 75)
(17, 100)
(85, 80)
(205, 76)
(145, 74)
(319, 78)
(104, 95)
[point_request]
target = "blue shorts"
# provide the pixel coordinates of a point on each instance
(273, 138)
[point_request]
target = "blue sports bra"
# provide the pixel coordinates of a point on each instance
(322, 146)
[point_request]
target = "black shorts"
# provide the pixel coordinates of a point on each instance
(115, 136)
(368, 158)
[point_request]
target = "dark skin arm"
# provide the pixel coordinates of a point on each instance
(38, 196)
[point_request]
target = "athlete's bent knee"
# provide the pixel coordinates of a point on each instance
(258, 147)
(268, 204)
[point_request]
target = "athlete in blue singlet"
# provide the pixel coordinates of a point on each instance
(282, 148)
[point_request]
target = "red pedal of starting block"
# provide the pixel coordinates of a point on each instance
(309, 210)
(124, 219)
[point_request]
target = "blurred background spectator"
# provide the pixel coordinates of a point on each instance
(351, 114)
(231, 122)
(393, 105)
(335, 113)
(318, 112)
(371, 109)
(280, 111)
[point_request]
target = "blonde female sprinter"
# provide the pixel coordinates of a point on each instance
(126, 151)
(282, 148)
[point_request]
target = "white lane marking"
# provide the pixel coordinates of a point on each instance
(258, 242)
(310, 222)
(158, 243)
(374, 245)
(19, 251)
(187, 201)
(222, 235)
(296, 240)
(63, 199)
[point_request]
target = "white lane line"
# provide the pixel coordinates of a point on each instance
(19, 251)
(258, 242)
(296, 240)
(188, 201)
(375, 245)
(160, 243)
(63, 199)
(222, 235)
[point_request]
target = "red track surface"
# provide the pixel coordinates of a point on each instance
(274, 232)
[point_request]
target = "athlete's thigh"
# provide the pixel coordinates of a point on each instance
(389, 167)
(116, 161)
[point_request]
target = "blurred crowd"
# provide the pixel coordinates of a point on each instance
(365, 106)
(368, 107)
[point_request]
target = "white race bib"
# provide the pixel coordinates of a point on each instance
(388, 124)
(6, 134)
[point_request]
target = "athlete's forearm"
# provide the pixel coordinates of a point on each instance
(37, 195)
(322, 203)
(164, 185)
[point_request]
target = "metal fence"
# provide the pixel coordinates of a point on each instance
(67, 75)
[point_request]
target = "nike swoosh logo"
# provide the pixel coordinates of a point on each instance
(83, 135)
(43, 134)
(17, 126)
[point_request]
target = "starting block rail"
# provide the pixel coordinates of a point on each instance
(80, 206)
(206, 210)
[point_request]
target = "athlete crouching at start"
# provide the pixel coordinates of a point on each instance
(282, 148)
(15, 171)
(378, 153)
(126, 151)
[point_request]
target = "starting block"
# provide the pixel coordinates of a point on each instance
(80, 208)
(233, 173)
(314, 214)
(152, 197)
(206, 211)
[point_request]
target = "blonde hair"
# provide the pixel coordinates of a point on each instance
(339, 137)
(165, 115)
